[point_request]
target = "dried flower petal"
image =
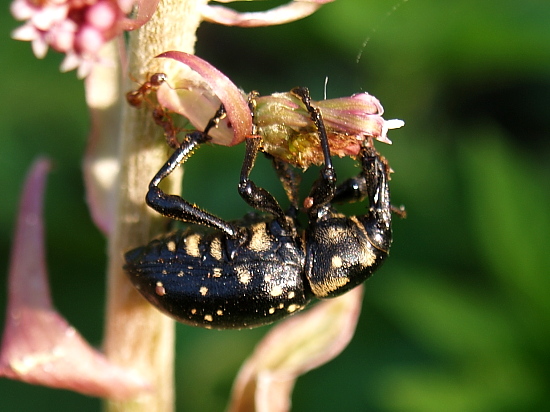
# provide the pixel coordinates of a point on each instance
(288, 133)
(38, 345)
(215, 84)
(197, 105)
(145, 10)
(293, 347)
(286, 13)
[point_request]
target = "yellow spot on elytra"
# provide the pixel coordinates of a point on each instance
(322, 289)
(171, 246)
(276, 291)
(244, 275)
(192, 245)
(208, 318)
(216, 249)
(336, 234)
(260, 240)
(292, 308)
(336, 262)
(219, 312)
(203, 290)
(367, 257)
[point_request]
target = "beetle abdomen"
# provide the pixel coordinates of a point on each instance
(210, 281)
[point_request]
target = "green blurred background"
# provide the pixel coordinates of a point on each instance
(458, 319)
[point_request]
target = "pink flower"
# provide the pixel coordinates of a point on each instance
(288, 133)
(281, 119)
(78, 28)
(286, 13)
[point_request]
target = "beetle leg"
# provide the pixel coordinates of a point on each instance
(255, 196)
(377, 221)
(174, 206)
(290, 181)
(260, 198)
(352, 190)
(357, 188)
(323, 189)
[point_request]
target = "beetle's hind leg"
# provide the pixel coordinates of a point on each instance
(257, 197)
(290, 181)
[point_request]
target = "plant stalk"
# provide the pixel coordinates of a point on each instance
(137, 335)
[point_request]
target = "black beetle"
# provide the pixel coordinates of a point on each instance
(263, 268)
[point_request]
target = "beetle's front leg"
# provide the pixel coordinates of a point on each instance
(176, 207)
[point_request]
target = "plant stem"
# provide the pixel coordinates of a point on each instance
(138, 336)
